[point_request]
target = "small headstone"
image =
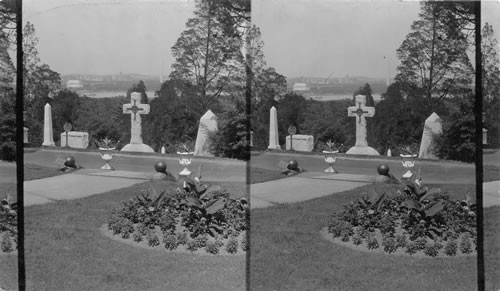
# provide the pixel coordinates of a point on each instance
(76, 139)
(432, 129)
(163, 150)
(485, 136)
(303, 143)
(273, 130)
(48, 133)
(208, 125)
(135, 109)
(389, 153)
(360, 111)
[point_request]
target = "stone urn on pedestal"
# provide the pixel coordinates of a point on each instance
(106, 153)
(408, 162)
(185, 160)
(330, 156)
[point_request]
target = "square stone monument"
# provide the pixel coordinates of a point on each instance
(76, 139)
(300, 142)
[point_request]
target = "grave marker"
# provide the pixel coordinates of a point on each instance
(208, 125)
(360, 111)
(136, 109)
(432, 129)
(48, 132)
(273, 130)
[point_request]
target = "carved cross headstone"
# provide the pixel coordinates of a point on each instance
(135, 109)
(360, 111)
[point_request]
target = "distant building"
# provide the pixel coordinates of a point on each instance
(300, 87)
(74, 84)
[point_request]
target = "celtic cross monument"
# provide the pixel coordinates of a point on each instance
(360, 111)
(135, 109)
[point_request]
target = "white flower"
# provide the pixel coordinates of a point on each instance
(371, 211)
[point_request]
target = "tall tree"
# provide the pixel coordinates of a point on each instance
(367, 91)
(206, 56)
(139, 88)
(490, 80)
(434, 57)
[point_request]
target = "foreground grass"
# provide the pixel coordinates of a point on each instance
(492, 247)
(65, 250)
(288, 253)
(34, 172)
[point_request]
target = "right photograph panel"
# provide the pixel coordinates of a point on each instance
(362, 175)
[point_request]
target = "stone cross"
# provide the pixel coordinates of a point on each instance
(360, 112)
(136, 108)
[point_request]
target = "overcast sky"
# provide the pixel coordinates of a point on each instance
(302, 37)
(106, 36)
(323, 37)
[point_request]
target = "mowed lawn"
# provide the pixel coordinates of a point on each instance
(66, 251)
(288, 253)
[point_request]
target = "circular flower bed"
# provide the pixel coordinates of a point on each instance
(8, 228)
(408, 219)
(194, 217)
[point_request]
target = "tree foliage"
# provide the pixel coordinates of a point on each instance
(367, 91)
(433, 56)
(207, 57)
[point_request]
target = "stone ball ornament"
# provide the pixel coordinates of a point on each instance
(383, 169)
(160, 167)
(293, 165)
(70, 162)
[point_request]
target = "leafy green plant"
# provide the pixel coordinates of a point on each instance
(152, 239)
(372, 243)
(450, 249)
(232, 246)
(401, 240)
(6, 244)
(411, 248)
(389, 244)
(137, 236)
(192, 245)
(465, 245)
(201, 241)
(244, 244)
(182, 238)
(170, 242)
(431, 250)
(212, 248)
(357, 240)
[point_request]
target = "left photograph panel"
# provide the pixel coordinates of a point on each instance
(135, 162)
(8, 130)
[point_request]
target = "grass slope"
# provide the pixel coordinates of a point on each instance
(288, 253)
(65, 250)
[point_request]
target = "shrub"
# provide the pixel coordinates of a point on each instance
(432, 250)
(232, 246)
(372, 243)
(137, 236)
(420, 243)
(201, 241)
(357, 240)
(170, 242)
(389, 244)
(212, 248)
(244, 244)
(152, 239)
(192, 245)
(465, 245)
(450, 249)
(401, 240)
(6, 245)
(411, 248)
(182, 238)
